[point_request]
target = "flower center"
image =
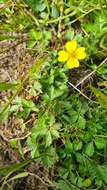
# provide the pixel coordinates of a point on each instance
(73, 54)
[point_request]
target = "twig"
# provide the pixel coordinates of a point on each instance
(28, 13)
(22, 138)
(3, 137)
(71, 22)
(81, 92)
(61, 18)
(86, 77)
(39, 178)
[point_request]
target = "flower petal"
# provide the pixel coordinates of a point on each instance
(80, 53)
(72, 63)
(63, 56)
(71, 46)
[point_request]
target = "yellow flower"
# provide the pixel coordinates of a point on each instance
(72, 54)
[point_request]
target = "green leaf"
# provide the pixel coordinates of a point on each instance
(29, 104)
(20, 149)
(89, 149)
(62, 185)
(80, 182)
(47, 35)
(73, 116)
(54, 130)
(87, 182)
(34, 34)
(80, 158)
(55, 12)
(102, 170)
(7, 86)
(48, 139)
(41, 6)
(69, 35)
(77, 145)
(36, 5)
(36, 88)
(31, 44)
(51, 92)
(103, 70)
(102, 98)
(13, 143)
(51, 157)
(68, 148)
(81, 122)
(100, 143)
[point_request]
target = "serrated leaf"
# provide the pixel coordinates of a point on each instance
(80, 158)
(100, 143)
(62, 185)
(102, 98)
(29, 104)
(89, 149)
(54, 130)
(102, 170)
(81, 122)
(51, 157)
(77, 145)
(48, 139)
(73, 116)
(69, 147)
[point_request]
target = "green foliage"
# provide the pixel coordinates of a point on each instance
(87, 182)
(23, 107)
(55, 12)
(62, 185)
(100, 143)
(37, 36)
(96, 33)
(101, 97)
(6, 86)
(68, 133)
(36, 5)
(89, 149)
